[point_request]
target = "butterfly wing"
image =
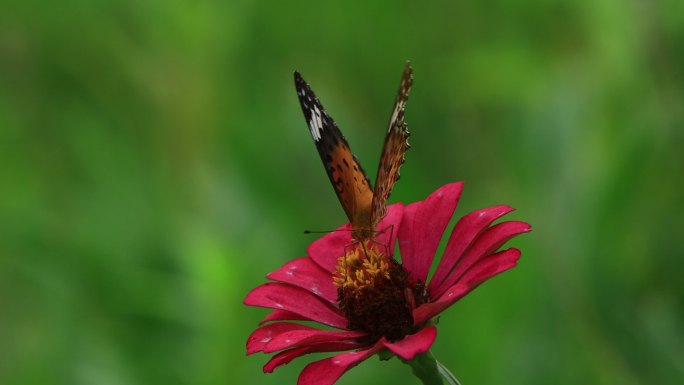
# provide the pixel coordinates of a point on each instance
(346, 175)
(396, 144)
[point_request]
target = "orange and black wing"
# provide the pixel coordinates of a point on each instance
(346, 175)
(396, 144)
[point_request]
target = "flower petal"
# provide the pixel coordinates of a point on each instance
(413, 344)
(304, 273)
(482, 271)
(388, 227)
(327, 371)
(422, 226)
(286, 356)
(487, 243)
(257, 341)
(467, 229)
(280, 315)
(326, 250)
(308, 336)
(277, 295)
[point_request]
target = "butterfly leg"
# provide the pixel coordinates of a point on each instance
(387, 244)
(349, 250)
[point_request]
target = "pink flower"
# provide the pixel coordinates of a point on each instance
(372, 301)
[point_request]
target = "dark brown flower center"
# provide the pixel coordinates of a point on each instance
(376, 294)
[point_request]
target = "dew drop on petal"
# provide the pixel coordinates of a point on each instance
(267, 339)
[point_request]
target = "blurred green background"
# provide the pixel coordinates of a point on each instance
(155, 165)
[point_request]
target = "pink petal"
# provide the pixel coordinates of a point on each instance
(482, 271)
(327, 371)
(490, 266)
(406, 244)
(257, 341)
(462, 236)
(388, 227)
(487, 243)
(308, 336)
(280, 315)
(287, 356)
(304, 273)
(284, 357)
(413, 344)
(326, 250)
(277, 295)
(422, 227)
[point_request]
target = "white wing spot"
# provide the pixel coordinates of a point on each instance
(315, 124)
(395, 114)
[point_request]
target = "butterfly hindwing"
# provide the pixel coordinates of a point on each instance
(396, 144)
(346, 175)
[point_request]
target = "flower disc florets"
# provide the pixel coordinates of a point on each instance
(375, 293)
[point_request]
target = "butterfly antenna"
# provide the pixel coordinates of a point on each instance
(325, 231)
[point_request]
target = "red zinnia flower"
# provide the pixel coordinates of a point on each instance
(375, 302)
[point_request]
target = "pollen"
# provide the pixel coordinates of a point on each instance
(375, 293)
(362, 266)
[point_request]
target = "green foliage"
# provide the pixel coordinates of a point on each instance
(154, 166)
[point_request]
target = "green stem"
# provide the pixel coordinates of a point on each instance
(446, 374)
(430, 371)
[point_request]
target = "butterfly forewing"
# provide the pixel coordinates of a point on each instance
(346, 175)
(396, 144)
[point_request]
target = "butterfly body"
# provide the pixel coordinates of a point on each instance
(363, 205)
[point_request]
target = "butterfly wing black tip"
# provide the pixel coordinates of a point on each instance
(299, 81)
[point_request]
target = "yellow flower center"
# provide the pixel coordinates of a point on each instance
(362, 266)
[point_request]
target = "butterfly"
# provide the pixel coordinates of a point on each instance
(365, 206)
